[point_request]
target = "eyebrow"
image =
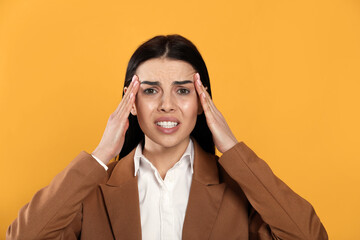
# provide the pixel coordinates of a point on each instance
(157, 83)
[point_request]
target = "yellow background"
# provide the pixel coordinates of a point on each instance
(285, 74)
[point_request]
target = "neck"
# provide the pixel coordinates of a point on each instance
(164, 158)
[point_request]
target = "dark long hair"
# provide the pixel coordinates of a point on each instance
(171, 47)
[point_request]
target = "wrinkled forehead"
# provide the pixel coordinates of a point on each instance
(165, 71)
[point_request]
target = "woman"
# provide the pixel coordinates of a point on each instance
(168, 184)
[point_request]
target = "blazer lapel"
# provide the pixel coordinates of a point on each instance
(122, 200)
(205, 196)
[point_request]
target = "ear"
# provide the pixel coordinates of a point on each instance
(133, 108)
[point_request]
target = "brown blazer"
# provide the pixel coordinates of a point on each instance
(235, 196)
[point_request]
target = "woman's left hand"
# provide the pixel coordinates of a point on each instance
(223, 138)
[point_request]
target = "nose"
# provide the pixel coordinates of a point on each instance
(166, 103)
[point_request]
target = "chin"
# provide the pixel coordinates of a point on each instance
(167, 141)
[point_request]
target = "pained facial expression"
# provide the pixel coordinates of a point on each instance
(166, 104)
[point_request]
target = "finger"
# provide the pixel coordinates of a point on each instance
(198, 86)
(125, 95)
(130, 98)
(125, 110)
(136, 86)
(209, 113)
(210, 102)
(199, 90)
(134, 79)
(207, 95)
(203, 94)
(129, 101)
(129, 91)
(134, 83)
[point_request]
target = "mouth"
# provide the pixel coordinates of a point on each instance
(167, 125)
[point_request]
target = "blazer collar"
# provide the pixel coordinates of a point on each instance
(205, 168)
(122, 201)
(123, 170)
(121, 198)
(205, 197)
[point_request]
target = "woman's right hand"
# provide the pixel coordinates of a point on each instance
(113, 138)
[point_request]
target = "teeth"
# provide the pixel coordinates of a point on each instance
(167, 124)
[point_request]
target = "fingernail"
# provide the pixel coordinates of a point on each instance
(133, 78)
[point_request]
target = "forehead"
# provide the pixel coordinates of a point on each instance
(163, 69)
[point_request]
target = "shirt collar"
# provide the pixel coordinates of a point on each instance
(189, 153)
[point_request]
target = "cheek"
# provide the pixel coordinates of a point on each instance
(144, 107)
(189, 106)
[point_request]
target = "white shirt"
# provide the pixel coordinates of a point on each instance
(163, 202)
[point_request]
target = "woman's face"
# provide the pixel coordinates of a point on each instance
(166, 104)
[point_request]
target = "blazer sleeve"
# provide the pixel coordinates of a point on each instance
(54, 212)
(283, 213)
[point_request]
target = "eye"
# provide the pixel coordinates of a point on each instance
(150, 91)
(183, 91)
